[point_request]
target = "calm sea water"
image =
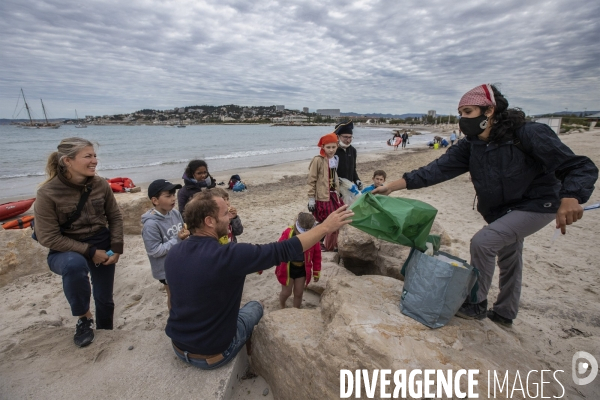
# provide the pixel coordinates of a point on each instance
(145, 153)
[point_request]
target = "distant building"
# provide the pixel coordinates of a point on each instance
(196, 110)
(305, 110)
(279, 108)
(332, 112)
(431, 113)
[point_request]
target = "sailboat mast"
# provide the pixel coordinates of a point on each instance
(27, 107)
(44, 108)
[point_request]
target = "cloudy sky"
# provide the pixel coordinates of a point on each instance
(106, 57)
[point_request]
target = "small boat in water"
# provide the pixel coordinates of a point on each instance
(12, 209)
(79, 124)
(37, 125)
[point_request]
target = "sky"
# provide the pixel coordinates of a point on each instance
(409, 56)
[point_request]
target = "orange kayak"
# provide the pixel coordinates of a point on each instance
(8, 210)
(19, 223)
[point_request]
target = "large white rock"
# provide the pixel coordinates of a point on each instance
(20, 255)
(300, 352)
(133, 205)
(363, 254)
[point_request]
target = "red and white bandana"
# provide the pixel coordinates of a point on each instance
(481, 95)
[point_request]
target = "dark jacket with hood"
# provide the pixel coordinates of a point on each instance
(189, 189)
(531, 176)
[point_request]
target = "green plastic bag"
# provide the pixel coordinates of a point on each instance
(394, 219)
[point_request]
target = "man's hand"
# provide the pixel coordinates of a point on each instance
(311, 205)
(337, 219)
(569, 211)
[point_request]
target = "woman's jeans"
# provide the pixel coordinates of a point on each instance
(248, 317)
(74, 269)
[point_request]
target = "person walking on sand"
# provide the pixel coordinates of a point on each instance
(524, 177)
(346, 153)
(206, 324)
(452, 138)
(404, 139)
(324, 184)
(79, 220)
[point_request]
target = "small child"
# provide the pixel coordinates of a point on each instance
(323, 184)
(235, 223)
(295, 275)
(195, 178)
(379, 177)
(163, 228)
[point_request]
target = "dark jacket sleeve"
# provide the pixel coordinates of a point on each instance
(114, 217)
(182, 197)
(355, 174)
(453, 163)
(577, 173)
(246, 258)
(236, 226)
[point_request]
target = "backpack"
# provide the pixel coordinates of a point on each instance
(239, 186)
(233, 180)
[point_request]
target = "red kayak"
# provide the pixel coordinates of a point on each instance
(9, 210)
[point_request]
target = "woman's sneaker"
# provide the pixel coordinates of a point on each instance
(499, 319)
(84, 332)
(473, 310)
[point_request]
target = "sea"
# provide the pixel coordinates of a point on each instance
(144, 153)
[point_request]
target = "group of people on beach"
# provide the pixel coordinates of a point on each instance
(524, 177)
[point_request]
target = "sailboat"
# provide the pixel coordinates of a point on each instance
(79, 124)
(37, 125)
(181, 125)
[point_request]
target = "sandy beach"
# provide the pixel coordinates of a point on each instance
(559, 312)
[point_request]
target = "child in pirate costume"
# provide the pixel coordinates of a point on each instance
(296, 274)
(323, 184)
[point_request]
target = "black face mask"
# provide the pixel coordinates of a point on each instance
(473, 127)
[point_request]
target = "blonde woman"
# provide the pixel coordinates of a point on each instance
(78, 219)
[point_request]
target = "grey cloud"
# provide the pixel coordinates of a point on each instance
(367, 56)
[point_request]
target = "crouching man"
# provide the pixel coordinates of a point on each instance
(206, 324)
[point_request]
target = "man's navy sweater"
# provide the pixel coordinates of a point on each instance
(206, 280)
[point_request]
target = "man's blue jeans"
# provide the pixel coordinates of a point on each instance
(248, 318)
(74, 269)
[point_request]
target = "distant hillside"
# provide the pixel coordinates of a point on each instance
(377, 115)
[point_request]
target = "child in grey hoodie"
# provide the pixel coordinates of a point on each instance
(162, 228)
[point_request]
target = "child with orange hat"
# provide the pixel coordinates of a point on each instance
(323, 183)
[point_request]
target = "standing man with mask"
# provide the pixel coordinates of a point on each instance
(347, 153)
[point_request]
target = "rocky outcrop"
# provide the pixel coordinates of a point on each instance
(20, 255)
(363, 254)
(359, 326)
(133, 205)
